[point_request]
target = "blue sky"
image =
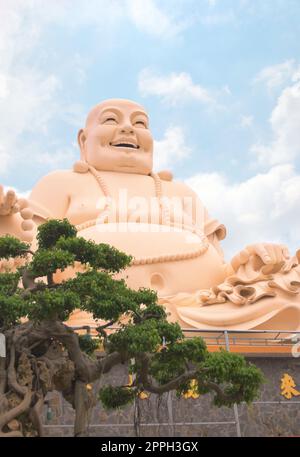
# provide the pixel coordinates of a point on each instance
(219, 78)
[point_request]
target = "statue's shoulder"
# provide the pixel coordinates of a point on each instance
(59, 177)
(57, 174)
(59, 182)
(179, 188)
(168, 181)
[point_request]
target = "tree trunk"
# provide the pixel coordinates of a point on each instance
(83, 405)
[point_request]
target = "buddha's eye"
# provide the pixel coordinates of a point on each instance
(110, 119)
(141, 123)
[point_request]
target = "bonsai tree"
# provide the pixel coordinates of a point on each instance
(43, 353)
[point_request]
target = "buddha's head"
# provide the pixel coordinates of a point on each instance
(116, 137)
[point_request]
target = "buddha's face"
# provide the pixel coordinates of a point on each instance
(117, 138)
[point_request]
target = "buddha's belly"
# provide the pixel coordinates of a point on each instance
(166, 260)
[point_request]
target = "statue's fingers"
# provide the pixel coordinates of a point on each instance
(289, 264)
(244, 256)
(262, 250)
(26, 213)
(23, 203)
(235, 263)
(285, 251)
(16, 208)
(10, 200)
(276, 254)
(240, 259)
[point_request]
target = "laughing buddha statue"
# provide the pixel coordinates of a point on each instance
(113, 196)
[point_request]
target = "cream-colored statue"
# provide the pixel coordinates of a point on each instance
(113, 196)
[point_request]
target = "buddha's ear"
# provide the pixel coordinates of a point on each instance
(81, 138)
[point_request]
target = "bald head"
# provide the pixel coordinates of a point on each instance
(93, 115)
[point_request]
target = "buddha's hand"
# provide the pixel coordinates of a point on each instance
(15, 216)
(260, 254)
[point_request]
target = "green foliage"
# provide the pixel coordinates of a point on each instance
(12, 308)
(46, 261)
(116, 397)
(100, 256)
(100, 294)
(192, 349)
(12, 247)
(145, 335)
(88, 344)
(50, 232)
(107, 298)
(9, 283)
(151, 311)
(147, 298)
(51, 304)
(240, 379)
(171, 332)
(136, 339)
(93, 291)
(165, 367)
(171, 362)
(111, 259)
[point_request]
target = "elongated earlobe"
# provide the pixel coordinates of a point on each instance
(81, 167)
(165, 175)
(81, 138)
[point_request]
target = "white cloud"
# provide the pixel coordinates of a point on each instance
(29, 95)
(264, 208)
(4, 158)
(171, 149)
(59, 158)
(172, 89)
(218, 19)
(226, 90)
(32, 94)
(27, 106)
(275, 76)
(149, 18)
(28, 102)
(246, 121)
(285, 122)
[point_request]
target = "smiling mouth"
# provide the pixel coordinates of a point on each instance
(125, 145)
